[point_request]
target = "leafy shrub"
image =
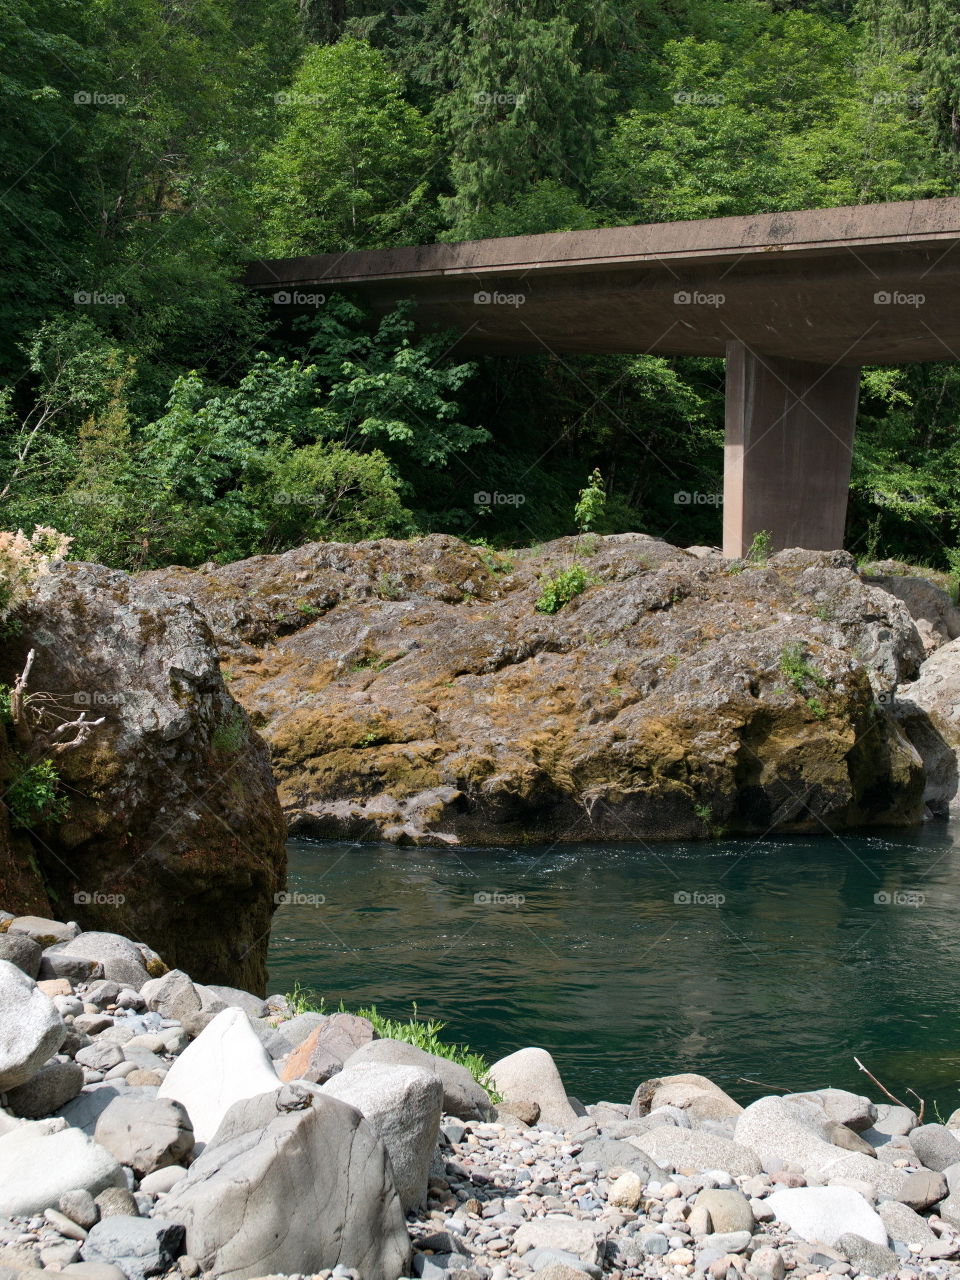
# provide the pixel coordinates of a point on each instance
(559, 590)
(33, 795)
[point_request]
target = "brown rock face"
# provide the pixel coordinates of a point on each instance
(327, 1048)
(173, 835)
(412, 692)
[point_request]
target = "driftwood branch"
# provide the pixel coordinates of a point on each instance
(32, 715)
(883, 1089)
(777, 1088)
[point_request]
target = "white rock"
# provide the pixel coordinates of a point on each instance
(404, 1105)
(225, 1064)
(824, 1214)
(531, 1075)
(37, 1167)
(31, 1028)
(627, 1191)
(560, 1231)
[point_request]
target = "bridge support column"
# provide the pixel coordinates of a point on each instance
(788, 448)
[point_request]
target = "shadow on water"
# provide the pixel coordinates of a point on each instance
(775, 960)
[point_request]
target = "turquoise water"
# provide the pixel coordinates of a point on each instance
(775, 960)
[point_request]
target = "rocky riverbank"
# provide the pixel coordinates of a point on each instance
(156, 1127)
(412, 691)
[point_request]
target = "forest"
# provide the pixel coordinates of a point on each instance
(157, 412)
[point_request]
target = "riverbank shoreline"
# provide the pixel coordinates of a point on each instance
(155, 1127)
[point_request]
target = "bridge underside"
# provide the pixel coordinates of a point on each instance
(796, 302)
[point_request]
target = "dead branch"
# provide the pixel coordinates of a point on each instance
(883, 1089)
(32, 714)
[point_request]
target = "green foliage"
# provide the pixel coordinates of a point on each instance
(351, 166)
(761, 544)
(148, 150)
(591, 502)
(781, 110)
(798, 669)
(229, 737)
(33, 794)
(559, 590)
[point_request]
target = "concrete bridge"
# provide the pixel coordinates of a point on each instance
(796, 302)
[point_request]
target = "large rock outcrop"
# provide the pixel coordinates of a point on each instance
(173, 833)
(929, 710)
(411, 691)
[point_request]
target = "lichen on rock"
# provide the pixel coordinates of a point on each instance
(410, 691)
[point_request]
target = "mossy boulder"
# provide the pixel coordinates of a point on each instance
(173, 833)
(412, 691)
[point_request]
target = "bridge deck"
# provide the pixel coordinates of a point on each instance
(862, 284)
(795, 301)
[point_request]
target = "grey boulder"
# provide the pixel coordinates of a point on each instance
(122, 960)
(175, 996)
(54, 1085)
(146, 1134)
(234, 998)
(31, 1029)
(531, 1075)
(462, 1096)
(694, 1149)
(140, 1247)
(404, 1105)
(608, 1153)
(868, 1257)
(21, 950)
(936, 1147)
(46, 932)
(294, 1181)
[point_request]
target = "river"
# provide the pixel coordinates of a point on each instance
(774, 961)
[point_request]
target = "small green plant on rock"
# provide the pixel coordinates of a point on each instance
(798, 669)
(800, 672)
(34, 794)
(760, 548)
(228, 738)
(559, 590)
(591, 503)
